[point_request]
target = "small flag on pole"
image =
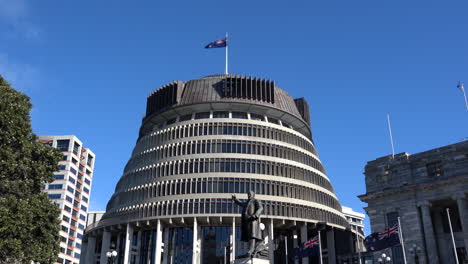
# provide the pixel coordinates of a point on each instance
(217, 44)
(378, 241)
(461, 86)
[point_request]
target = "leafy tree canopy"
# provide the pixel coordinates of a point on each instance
(29, 224)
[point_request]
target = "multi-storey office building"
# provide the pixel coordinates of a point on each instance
(70, 191)
(201, 141)
(419, 188)
(356, 222)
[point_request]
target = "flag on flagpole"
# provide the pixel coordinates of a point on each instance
(378, 241)
(307, 249)
(461, 86)
(222, 43)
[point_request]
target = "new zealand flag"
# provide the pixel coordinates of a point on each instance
(378, 241)
(307, 249)
(217, 44)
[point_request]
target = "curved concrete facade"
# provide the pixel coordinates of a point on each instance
(201, 141)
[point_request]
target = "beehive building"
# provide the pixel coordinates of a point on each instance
(201, 141)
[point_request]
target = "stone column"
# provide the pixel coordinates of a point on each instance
(128, 243)
(159, 246)
(196, 243)
(331, 247)
(271, 242)
(304, 238)
(463, 213)
(90, 256)
(106, 237)
(431, 246)
(232, 257)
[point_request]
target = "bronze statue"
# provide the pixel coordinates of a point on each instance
(250, 226)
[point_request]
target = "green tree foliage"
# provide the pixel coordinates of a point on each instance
(29, 224)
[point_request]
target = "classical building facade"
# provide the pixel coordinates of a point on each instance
(70, 191)
(201, 141)
(419, 189)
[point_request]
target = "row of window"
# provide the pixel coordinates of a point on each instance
(229, 185)
(227, 206)
(214, 165)
(63, 145)
(218, 128)
(75, 212)
(224, 146)
(226, 114)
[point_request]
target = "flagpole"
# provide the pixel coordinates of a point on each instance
(400, 233)
(391, 137)
(453, 238)
(320, 247)
(227, 47)
(466, 102)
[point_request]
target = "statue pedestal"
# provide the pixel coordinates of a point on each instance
(251, 261)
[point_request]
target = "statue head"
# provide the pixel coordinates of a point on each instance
(251, 194)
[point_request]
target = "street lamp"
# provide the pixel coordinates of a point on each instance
(384, 258)
(415, 250)
(111, 256)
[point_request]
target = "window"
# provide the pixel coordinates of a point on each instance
(185, 117)
(76, 148)
(73, 170)
(87, 181)
(66, 218)
(63, 144)
(240, 115)
(79, 235)
(81, 168)
(65, 157)
(55, 186)
(84, 199)
(81, 226)
(54, 196)
(77, 255)
(74, 161)
(82, 217)
(256, 117)
(59, 176)
(86, 190)
(65, 229)
(202, 115)
(62, 167)
(71, 179)
(68, 209)
(84, 208)
(220, 114)
(88, 172)
(434, 169)
(273, 120)
(90, 160)
(70, 189)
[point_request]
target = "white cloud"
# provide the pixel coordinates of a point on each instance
(14, 14)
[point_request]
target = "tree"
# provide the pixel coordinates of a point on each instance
(29, 222)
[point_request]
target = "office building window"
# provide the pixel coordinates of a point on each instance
(86, 190)
(59, 176)
(73, 170)
(55, 186)
(90, 160)
(63, 144)
(54, 196)
(71, 179)
(70, 189)
(62, 167)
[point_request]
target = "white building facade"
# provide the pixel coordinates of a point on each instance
(70, 191)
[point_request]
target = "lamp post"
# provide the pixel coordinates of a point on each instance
(384, 258)
(111, 256)
(415, 250)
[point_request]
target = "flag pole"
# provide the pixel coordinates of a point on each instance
(227, 47)
(453, 239)
(391, 137)
(320, 247)
(400, 233)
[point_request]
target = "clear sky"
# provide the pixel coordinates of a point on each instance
(89, 65)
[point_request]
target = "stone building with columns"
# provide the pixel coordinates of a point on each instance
(201, 141)
(419, 189)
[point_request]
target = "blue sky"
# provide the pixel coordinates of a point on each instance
(89, 65)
